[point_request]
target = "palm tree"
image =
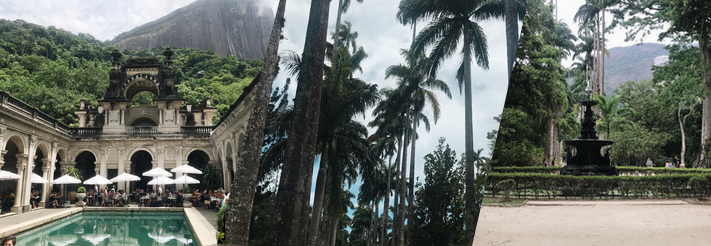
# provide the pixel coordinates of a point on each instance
(452, 20)
(342, 141)
(239, 210)
(414, 80)
(515, 10)
(564, 40)
(292, 200)
(343, 6)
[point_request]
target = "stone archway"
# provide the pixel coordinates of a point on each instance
(198, 159)
(86, 163)
(141, 161)
(13, 149)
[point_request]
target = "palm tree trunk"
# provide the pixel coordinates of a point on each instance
(336, 38)
(511, 32)
(318, 201)
(375, 225)
(324, 236)
(403, 182)
(471, 202)
(333, 223)
(411, 185)
(292, 201)
(705, 48)
(239, 210)
(386, 207)
(396, 203)
(602, 90)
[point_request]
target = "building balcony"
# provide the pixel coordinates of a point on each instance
(140, 131)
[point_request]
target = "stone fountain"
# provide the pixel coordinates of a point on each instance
(584, 154)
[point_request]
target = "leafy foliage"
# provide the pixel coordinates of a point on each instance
(52, 70)
(439, 204)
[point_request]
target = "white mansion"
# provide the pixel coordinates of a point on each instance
(114, 137)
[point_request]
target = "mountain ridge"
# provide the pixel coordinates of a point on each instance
(229, 27)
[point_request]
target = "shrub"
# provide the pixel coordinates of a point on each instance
(699, 185)
(592, 186)
(186, 190)
(221, 224)
(507, 186)
(81, 190)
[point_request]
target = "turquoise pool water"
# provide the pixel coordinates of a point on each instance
(102, 228)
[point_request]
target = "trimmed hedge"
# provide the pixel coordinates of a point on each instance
(622, 170)
(550, 185)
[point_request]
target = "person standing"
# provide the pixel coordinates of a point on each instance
(649, 162)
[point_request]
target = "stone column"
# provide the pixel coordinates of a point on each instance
(161, 161)
(198, 118)
(121, 168)
(161, 156)
(45, 175)
(21, 163)
(28, 181)
(2, 156)
(179, 163)
(225, 176)
(104, 159)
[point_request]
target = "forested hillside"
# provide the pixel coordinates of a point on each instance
(52, 69)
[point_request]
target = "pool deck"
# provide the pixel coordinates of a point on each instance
(204, 231)
(21, 222)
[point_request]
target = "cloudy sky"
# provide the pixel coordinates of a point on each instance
(379, 33)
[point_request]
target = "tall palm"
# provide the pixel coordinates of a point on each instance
(414, 80)
(453, 20)
(515, 11)
(564, 40)
(386, 147)
(343, 6)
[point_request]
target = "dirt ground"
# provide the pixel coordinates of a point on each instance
(596, 223)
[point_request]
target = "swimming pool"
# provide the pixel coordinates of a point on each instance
(113, 228)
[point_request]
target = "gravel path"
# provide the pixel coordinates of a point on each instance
(596, 223)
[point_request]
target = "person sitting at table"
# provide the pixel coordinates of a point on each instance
(57, 196)
(120, 196)
(193, 197)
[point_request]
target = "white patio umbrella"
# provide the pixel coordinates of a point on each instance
(186, 180)
(186, 169)
(161, 181)
(66, 179)
(97, 180)
(125, 177)
(158, 172)
(36, 179)
(5, 175)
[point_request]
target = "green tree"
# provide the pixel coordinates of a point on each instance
(684, 20)
(440, 204)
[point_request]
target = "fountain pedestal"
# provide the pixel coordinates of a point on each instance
(584, 154)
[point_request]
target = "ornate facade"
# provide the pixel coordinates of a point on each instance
(117, 136)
